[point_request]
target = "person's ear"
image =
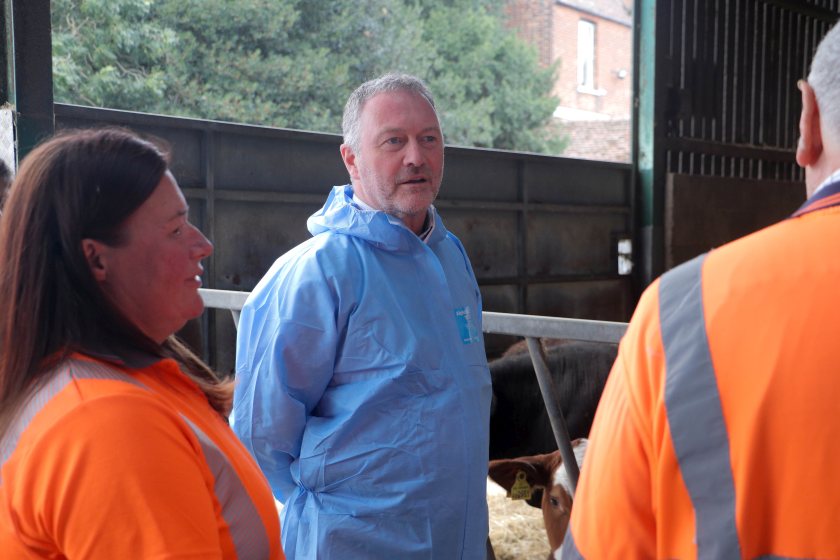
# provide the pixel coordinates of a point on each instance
(810, 145)
(94, 252)
(348, 156)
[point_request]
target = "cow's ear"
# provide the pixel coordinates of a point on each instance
(579, 447)
(503, 472)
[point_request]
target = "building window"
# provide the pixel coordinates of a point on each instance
(586, 55)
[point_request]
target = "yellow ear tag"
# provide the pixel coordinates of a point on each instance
(520, 490)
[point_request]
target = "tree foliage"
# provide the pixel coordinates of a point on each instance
(293, 63)
(109, 53)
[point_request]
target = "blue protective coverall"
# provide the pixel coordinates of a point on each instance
(363, 390)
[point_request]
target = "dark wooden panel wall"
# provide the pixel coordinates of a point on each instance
(540, 231)
(703, 212)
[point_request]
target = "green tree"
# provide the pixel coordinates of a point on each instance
(247, 61)
(109, 53)
(293, 63)
(494, 93)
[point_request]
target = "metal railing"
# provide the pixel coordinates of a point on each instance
(531, 327)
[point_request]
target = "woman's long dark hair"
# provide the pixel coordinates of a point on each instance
(77, 185)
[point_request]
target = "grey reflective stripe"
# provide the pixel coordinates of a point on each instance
(695, 415)
(67, 371)
(246, 526)
(568, 550)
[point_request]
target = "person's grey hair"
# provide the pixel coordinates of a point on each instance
(825, 79)
(350, 123)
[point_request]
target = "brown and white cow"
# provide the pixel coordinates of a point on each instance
(548, 473)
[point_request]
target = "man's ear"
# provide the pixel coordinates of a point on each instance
(810, 146)
(348, 156)
(94, 254)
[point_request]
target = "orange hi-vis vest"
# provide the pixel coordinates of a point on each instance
(106, 461)
(718, 433)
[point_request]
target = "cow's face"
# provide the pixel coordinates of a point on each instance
(556, 509)
(547, 472)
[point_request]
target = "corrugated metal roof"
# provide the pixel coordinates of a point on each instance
(619, 10)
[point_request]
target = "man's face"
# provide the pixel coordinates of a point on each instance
(399, 164)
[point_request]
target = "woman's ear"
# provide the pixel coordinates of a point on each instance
(94, 254)
(810, 147)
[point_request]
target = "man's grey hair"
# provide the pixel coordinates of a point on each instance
(350, 126)
(825, 79)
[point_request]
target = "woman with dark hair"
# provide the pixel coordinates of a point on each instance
(114, 441)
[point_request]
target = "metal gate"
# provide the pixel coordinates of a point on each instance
(717, 99)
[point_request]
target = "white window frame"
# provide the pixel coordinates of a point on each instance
(586, 55)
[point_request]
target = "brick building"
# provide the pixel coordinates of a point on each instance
(593, 42)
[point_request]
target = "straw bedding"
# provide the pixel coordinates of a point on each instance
(516, 529)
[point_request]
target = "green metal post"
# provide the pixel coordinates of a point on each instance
(649, 154)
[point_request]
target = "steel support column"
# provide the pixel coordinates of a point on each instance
(27, 87)
(649, 151)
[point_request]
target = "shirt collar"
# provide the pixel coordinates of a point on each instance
(833, 178)
(429, 223)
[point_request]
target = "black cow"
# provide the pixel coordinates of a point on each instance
(519, 424)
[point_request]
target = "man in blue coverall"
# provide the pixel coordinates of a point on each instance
(363, 388)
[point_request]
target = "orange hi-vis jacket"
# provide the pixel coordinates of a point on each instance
(108, 462)
(718, 433)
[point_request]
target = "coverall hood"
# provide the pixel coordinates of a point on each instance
(340, 215)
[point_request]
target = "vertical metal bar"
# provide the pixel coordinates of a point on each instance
(208, 164)
(692, 61)
(736, 72)
(726, 81)
(782, 79)
(716, 91)
(768, 83)
(32, 62)
(707, 72)
(7, 88)
(208, 145)
(522, 240)
(755, 71)
(210, 339)
(688, 23)
(679, 50)
(748, 86)
(651, 19)
(791, 108)
(555, 415)
(637, 279)
(789, 73)
(7, 50)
